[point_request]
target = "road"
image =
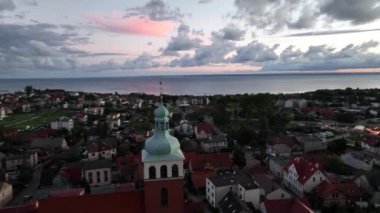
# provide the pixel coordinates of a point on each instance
(33, 185)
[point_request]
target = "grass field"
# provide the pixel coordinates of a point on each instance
(31, 119)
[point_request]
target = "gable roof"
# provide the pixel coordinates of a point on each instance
(305, 169)
(210, 161)
(266, 183)
(288, 140)
(48, 142)
(287, 206)
(208, 128)
(348, 189)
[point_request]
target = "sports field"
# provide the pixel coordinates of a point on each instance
(31, 119)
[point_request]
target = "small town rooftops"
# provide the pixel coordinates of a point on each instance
(234, 178)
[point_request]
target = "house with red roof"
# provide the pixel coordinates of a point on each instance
(301, 175)
(340, 193)
(203, 131)
(102, 149)
(294, 205)
(206, 165)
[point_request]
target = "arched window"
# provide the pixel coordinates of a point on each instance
(152, 172)
(175, 170)
(164, 196)
(164, 171)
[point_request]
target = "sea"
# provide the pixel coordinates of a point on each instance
(202, 84)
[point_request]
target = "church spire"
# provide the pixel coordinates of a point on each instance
(161, 96)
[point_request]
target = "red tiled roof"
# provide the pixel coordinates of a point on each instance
(210, 161)
(208, 128)
(74, 175)
(288, 140)
(305, 169)
(198, 178)
(112, 202)
(350, 190)
(287, 206)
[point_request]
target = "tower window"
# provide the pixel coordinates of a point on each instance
(152, 172)
(164, 171)
(175, 170)
(164, 196)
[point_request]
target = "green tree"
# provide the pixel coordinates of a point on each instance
(28, 90)
(238, 157)
(338, 146)
(334, 164)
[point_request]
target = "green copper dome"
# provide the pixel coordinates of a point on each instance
(161, 143)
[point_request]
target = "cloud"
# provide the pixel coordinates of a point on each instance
(7, 5)
(31, 2)
(157, 10)
(276, 15)
(329, 32)
(255, 52)
(143, 61)
(214, 53)
(133, 25)
(230, 32)
(356, 12)
(204, 1)
(181, 42)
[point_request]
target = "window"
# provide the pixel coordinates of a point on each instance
(313, 179)
(98, 176)
(106, 176)
(164, 197)
(90, 177)
(282, 195)
(152, 172)
(175, 170)
(164, 171)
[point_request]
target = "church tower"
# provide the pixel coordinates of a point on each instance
(163, 168)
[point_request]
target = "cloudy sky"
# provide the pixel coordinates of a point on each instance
(66, 38)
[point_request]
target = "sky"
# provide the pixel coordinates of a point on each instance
(97, 38)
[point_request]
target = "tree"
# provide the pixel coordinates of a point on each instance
(346, 117)
(334, 164)
(238, 157)
(28, 90)
(338, 146)
(176, 118)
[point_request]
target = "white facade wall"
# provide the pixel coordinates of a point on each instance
(6, 194)
(251, 195)
(275, 168)
(168, 164)
(106, 154)
(62, 124)
(317, 178)
(105, 176)
(2, 113)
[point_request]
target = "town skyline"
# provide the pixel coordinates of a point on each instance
(157, 37)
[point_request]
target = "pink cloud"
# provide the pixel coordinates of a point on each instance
(133, 25)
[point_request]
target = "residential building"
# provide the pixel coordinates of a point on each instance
(6, 193)
(214, 143)
(270, 189)
(16, 162)
(185, 128)
(94, 111)
(231, 204)
(300, 175)
(62, 123)
(240, 184)
(371, 144)
(364, 160)
(98, 172)
(113, 120)
(339, 193)
(56, 143)
(2, 113)
(293, 205)
(277, 165)
(102, 149)
(204, 131)
(310, 143)
(283, 146)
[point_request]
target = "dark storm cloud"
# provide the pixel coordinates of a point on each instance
(157, 10)
(255, 52)
(230, 32)
(181, 42)
(357, 12)
(7, 5)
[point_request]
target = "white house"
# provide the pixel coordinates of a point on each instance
(270, 189)
(2, 113)
(185, 128)
(240, 184)
(277, 164)
(62, 123)
(113, 120)
(360, 159)
(101, 150)
(15, 162)
(94, 110)
(301, 176)
(26, 108)
(214, 143)
(6, 193)
(98, 173)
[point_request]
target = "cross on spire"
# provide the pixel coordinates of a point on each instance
(161, 96)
